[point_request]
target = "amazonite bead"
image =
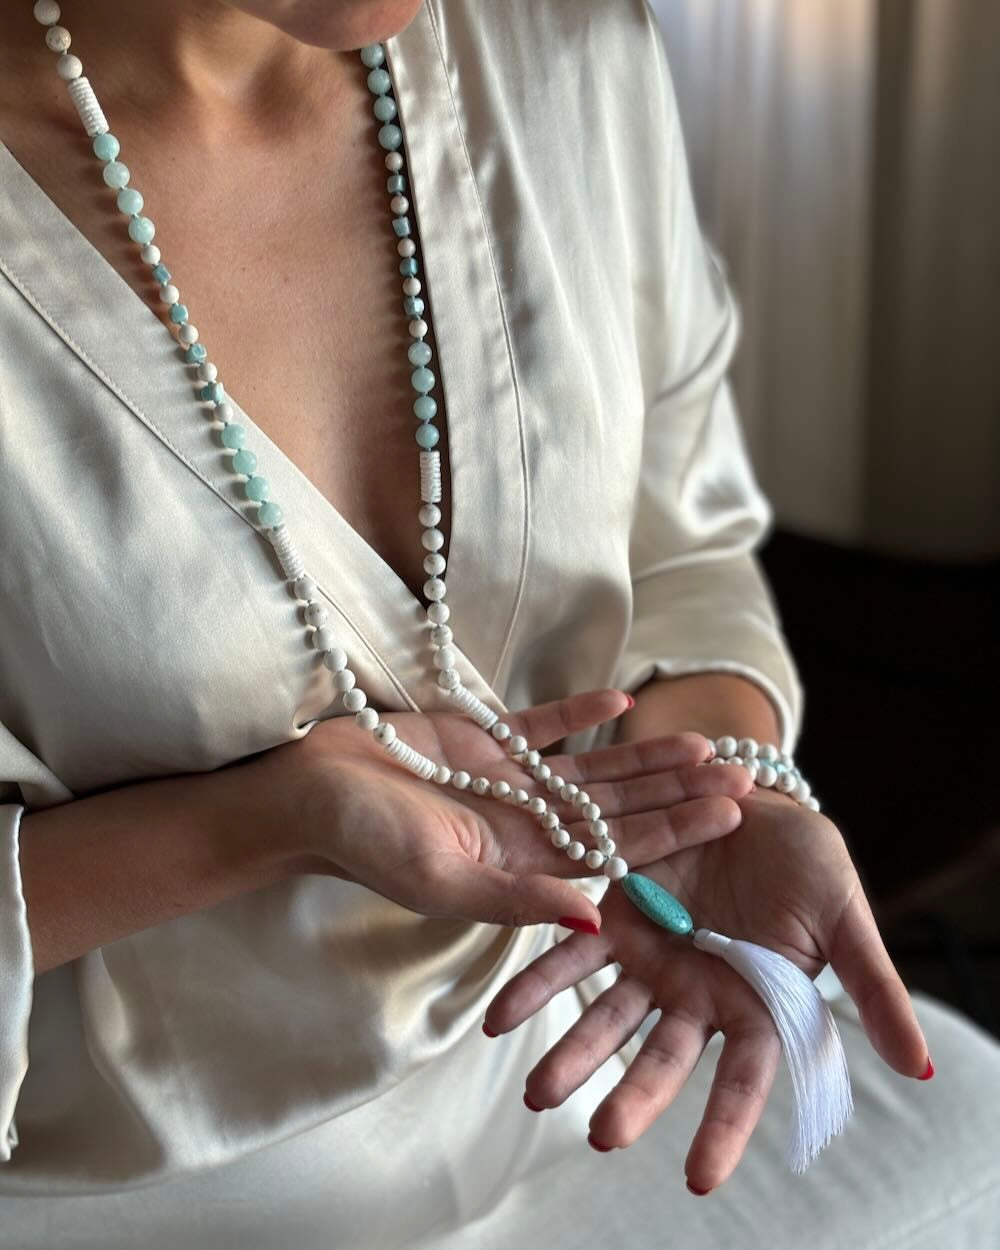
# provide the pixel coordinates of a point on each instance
(256, 488)
(408, 267)
(244, 461)
(395, 184)
(379, 82)
(129, 201)
(419, 353)
(233, 435)
(427, 436)
(178, 313)
(141, 230)
(385, 108)
(657, 903)
(116, 174)
(422, 380)
(413, 306)
(212, 393)
(161, 274)
(390, 136)
(106, 147)
(270, 514)
(425, 407)
(195, 354)
(401, 225)
(372, 55)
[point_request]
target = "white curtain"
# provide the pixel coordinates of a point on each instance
(844, 156)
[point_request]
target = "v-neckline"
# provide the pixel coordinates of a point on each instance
(489, 504)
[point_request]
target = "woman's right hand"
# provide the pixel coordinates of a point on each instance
(346, 808)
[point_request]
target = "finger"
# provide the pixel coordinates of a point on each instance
(548, 722)
(862, 963)
(743, 1078)
(580, 955)
(641, 794)
(653, 1080)
(631, 759)
(647, 836)
(466, 889)
(606, 1025)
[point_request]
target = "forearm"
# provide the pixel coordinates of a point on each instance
(100, 868)
(710, 703)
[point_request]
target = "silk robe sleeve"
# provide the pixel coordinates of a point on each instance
(700, 603)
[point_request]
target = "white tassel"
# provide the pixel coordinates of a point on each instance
(809, 1038)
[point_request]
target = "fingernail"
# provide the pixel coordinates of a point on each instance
(488, 1031)
(631, 701)
(596, 1144)
(530, 1105)
(929, 1071)
(695, 1190)
(581, 926)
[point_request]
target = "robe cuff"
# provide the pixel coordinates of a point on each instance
(17, 974)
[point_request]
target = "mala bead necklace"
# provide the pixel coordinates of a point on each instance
(809, 1035)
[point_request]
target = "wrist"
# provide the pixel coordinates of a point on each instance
(712, 704)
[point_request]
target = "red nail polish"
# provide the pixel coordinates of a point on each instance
(695, 1190)
(929, 1072)
(581, 926)
(488, 1031)
(631, 701)
(596, 1144)
(530, 1105)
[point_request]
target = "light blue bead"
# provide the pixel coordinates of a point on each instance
(141, 230)
(655, 902)
(244, 461)
(212, 393)
(390, 136)
(178, 314)
(385, 108)
(427, 436)
(401, 225)
(116, 174)
(413, 306)
(372, 55)
(419, 352)
(425, 407)
(161, 274)
(379, 82)
(256, 488)
(395, 183)
(270, 514)
(106, 147)
(233, 435)
(422, 380)
(195, 354)
(408, 267)
(129, 201)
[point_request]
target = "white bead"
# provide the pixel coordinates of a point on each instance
(767, 776)
(591, 811)
(354, 700)
(461, 779)
(519, 796)
(559, 837)
(335, 659)
(169, 294)
(747, 747)
(418, 328)
(517, 744)
(449, 679)
(726, 746)
(532, 758)
(500, 731)
(406, 247)
(594, 859)
(735, 760)
(581, 798)
(554, 783)
(576, 850)
(384, 733)
(435, 564)
(46, 12)
(767, 751)
(785, 784)
(150, 254)
(537, 805)
(615, 868)
(434, 588)
(316, 614)
(712, 749)
(324, 639)
(717, 759)
(399, 205)
(541, 772)
(441, 635)
(344, 680)
(432, 539)
(787, 760)
(442, 774)
(607, 845)
(69, 67)
(802, 790)
(549, 820)
(412, 286)
(394, 162)
(367, 718)
(438, 613)
(206, 370)
(812, 802)
(753, 767)
(446, 657)
(500, 789)
(57, 38)
(224, 412)
(188, 334)
(481, 785)
(429, 514)
(568, 790)
(598, 828)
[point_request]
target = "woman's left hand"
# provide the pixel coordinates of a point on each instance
(784, 880)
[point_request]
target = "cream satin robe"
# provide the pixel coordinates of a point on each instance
(303, 1067)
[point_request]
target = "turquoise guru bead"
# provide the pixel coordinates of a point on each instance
(657, 903)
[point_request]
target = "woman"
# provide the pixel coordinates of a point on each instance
(254, 955)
